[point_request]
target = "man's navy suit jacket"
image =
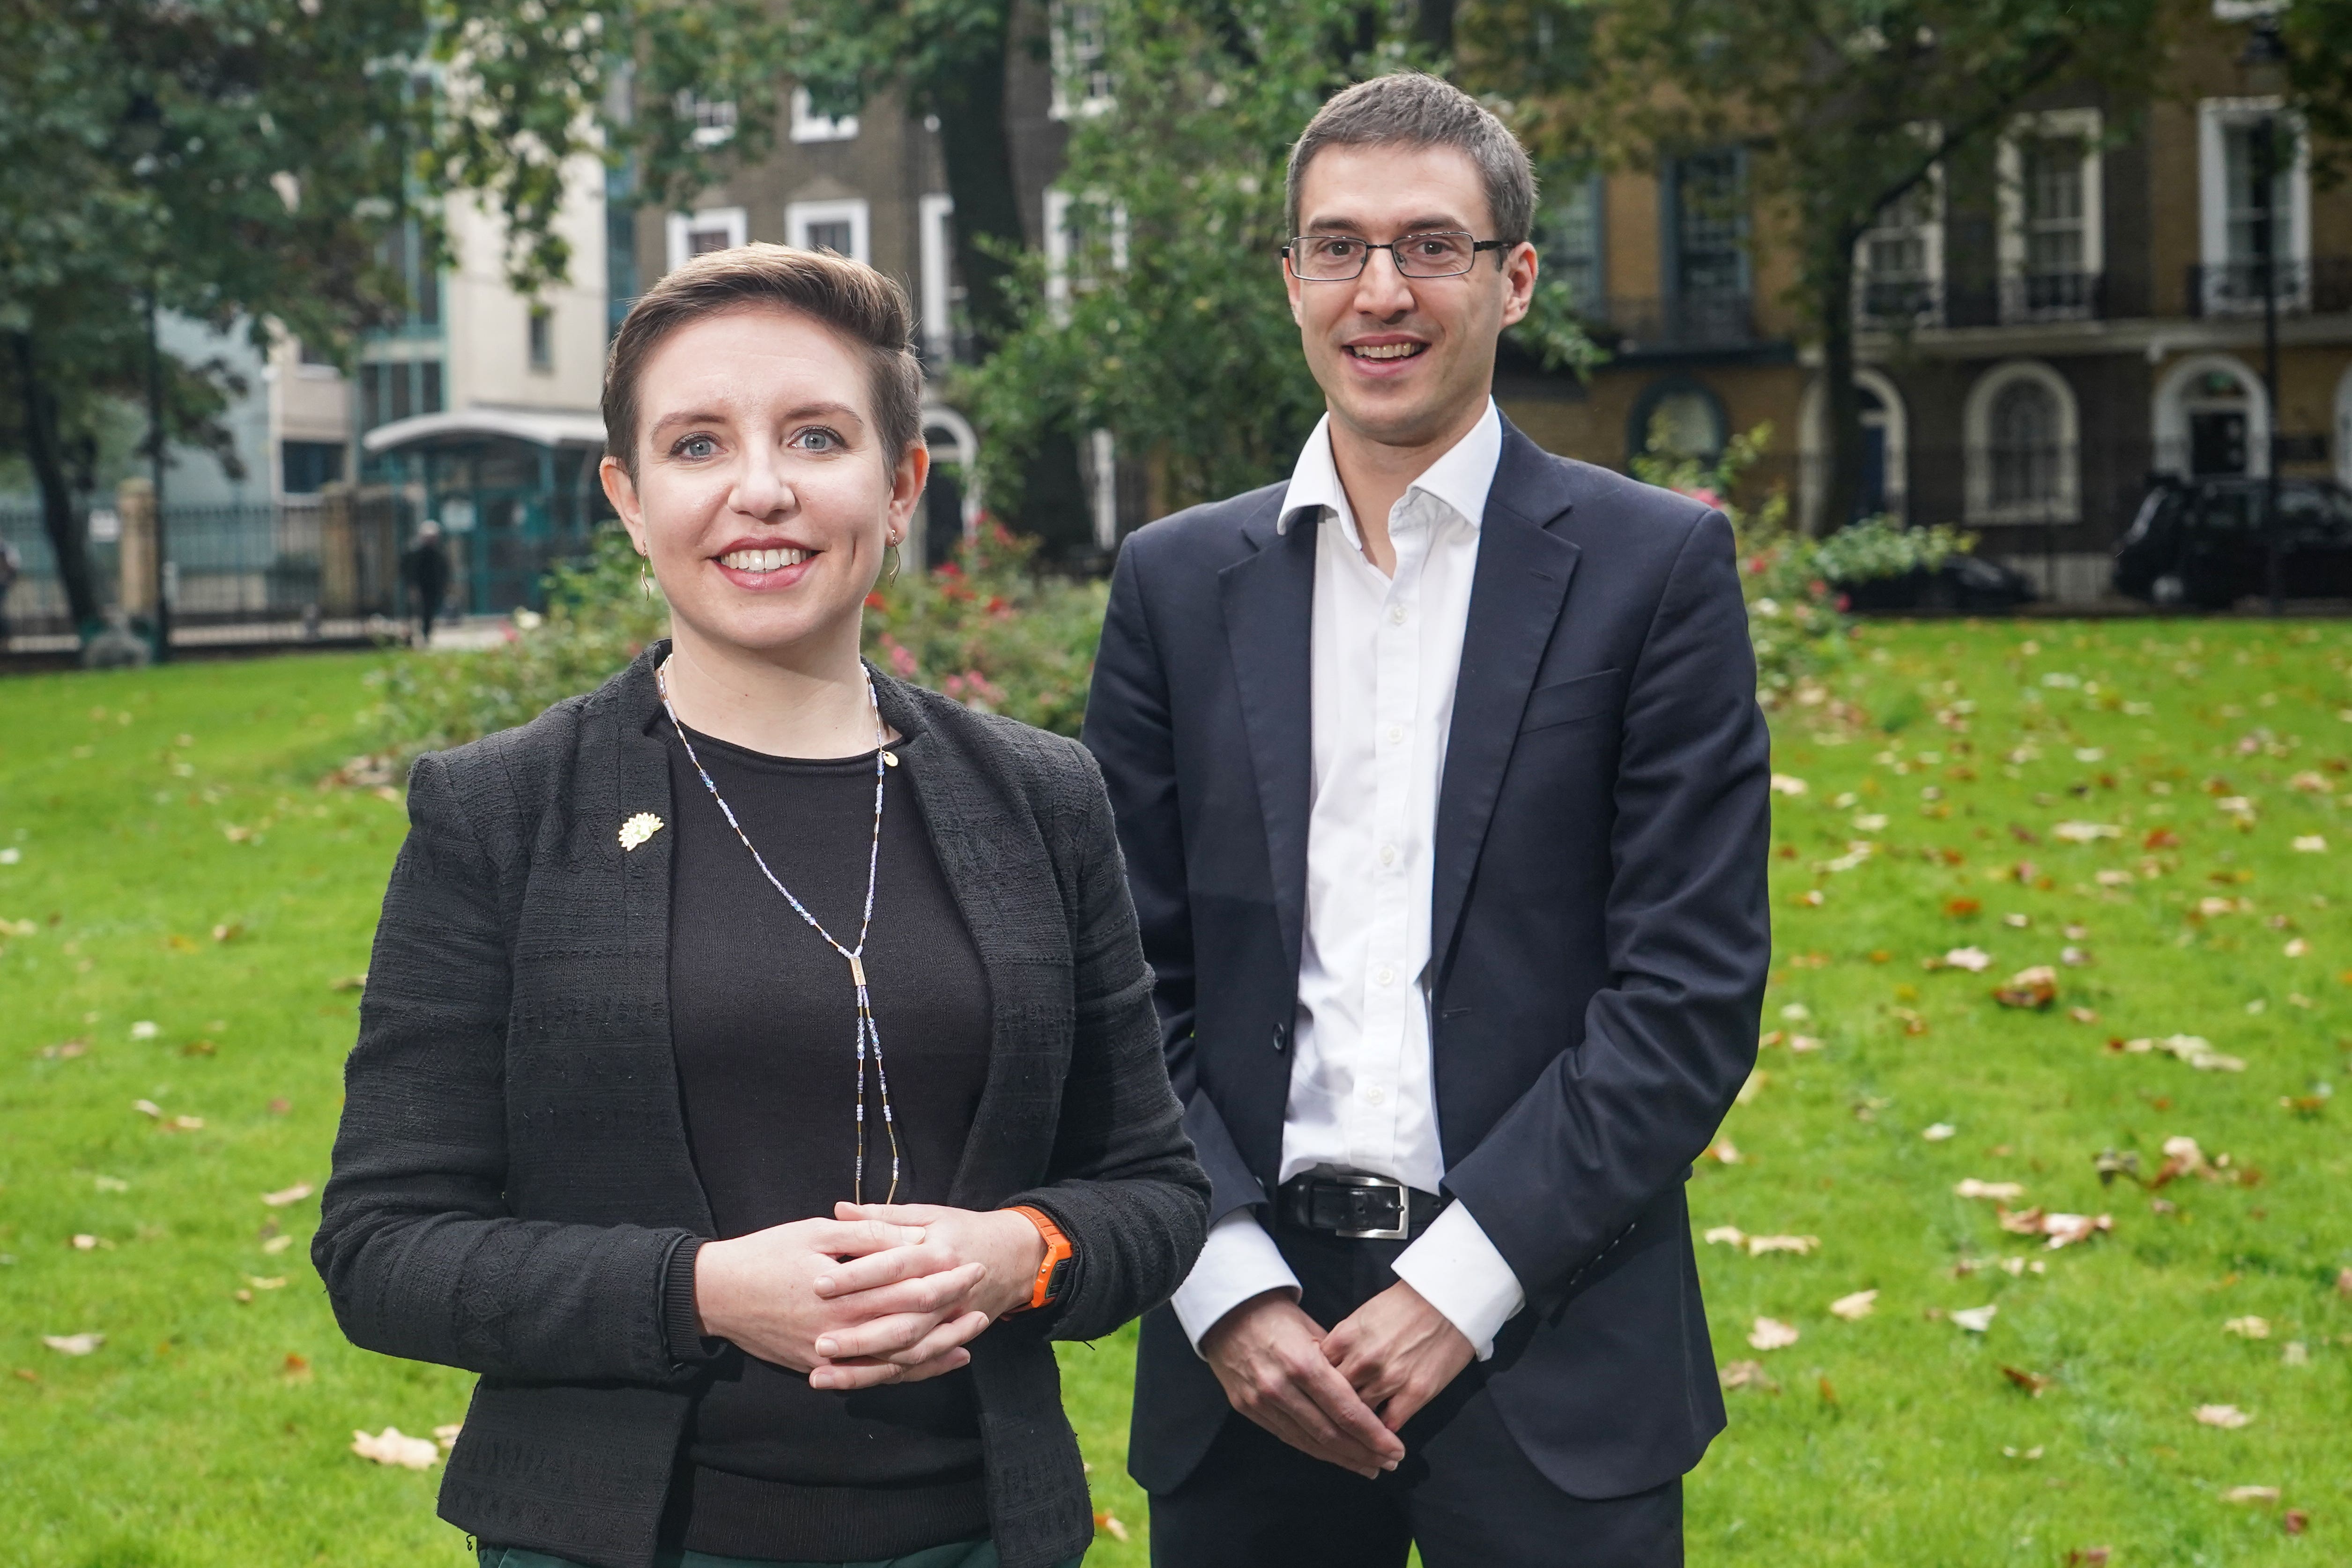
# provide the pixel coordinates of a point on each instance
(1598, 940)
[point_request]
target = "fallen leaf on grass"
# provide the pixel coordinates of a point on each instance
(1789, 783)
(27, 1374)
(65, 1050)
(1974, 960)
(1939, 1133)
(2034, 988)
(1723, 1152)
(228, 932)
(2086, 832)
(2194, 1049)
(446, 1433)
(1975, 1319)
(1108, 1522)
(2248, 1328)
(2264, 1495)
(2344, 1284)
(1747, 1375)
(284, 1195)
(277, 1244)
(1854, 1307)
(2295, 1353)
(2031, 1382)
(2295, 1522)
(73, 1345)
(1961, 908)
(1726, 1235)
(2083, 1015)
(391, 1446)
(1757, 1246)
(2310, 844)
(1999, 1192)
(144, 1029)
(2008, 1452)
(110, 1183)
(2228, 1416)
(295, 1369)
(1771, 1334)
(350, 983)
(2089, 1557)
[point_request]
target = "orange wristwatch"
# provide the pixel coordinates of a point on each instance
(1055, 1271)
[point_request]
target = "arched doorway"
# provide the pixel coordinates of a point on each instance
(1885, 448)
(950, 508)
(2211, 420)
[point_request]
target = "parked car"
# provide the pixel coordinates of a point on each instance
(2207, 542)
(1966, 583)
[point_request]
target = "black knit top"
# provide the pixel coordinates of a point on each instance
(763, 1024)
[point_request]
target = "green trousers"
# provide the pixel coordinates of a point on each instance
(955, 1554)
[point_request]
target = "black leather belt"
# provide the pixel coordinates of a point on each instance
(1358, 1208)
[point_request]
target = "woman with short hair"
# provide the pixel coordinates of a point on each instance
(757, 1064)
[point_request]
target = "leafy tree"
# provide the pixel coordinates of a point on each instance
(1845, 105)
(208, 159)
(1171, 330)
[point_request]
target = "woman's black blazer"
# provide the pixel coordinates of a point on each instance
(512, 1173)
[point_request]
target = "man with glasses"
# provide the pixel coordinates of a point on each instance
(1442, 790)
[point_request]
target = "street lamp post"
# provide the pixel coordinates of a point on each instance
(156, 457)
(2264, 60)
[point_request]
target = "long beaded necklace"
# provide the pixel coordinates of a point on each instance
(867, 1034)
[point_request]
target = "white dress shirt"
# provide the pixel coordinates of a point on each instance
(1385, 652)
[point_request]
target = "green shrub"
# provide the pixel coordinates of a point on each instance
(985, 628)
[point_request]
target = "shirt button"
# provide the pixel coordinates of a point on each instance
(1376, 1095)
(1396, 615)
(1383, 974)
(1388, 854)
(1396, 734)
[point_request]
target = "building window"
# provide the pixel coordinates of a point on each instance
(2230, 133)
(713, 119)
(1900, 262)
(1082, 84)
(1706, 248)
(838, 226)
(808, 125)
(398, 389)
(942, 292)
(700, 233)
(2021, 428)
(2051, 242)
(1568, 238)
(542, 338)
(1678, 417)
(1084, 234)
(305, 468)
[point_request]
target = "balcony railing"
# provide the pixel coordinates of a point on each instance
(1894, 304)
(2303, 286)
(1679, 323)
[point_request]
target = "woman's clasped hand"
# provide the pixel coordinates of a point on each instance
(878, 1294)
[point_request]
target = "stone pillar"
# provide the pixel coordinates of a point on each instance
(135, 503)
(339, 562)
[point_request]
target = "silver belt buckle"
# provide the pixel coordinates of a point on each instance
(1403, 1227)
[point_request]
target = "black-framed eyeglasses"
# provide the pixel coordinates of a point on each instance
(1336, 258)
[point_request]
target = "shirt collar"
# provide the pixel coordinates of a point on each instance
(1460, 479)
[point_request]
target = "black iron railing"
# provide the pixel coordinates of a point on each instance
(2307, 285)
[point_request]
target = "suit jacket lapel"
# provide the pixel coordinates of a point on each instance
(1515, 594)
(1269, 601)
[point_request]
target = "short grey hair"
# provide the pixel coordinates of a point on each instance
(1413, 109)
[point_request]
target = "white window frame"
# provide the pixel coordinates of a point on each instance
(1931, 234)
(1976, 421)
(734, 220)
(809, 126)
(713, 119)
(802, 216)
(936, 254)
(1102, 474)
(1068, 68)
(2083, 124)
(1060, 285)
(2215, 115)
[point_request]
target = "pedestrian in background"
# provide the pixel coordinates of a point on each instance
(425, 569)
(12, 566)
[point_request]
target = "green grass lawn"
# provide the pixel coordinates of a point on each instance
(146, 810)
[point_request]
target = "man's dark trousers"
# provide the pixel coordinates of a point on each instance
(1598, 943)
(1465, 1493)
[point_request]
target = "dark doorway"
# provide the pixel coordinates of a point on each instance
(2216, 442)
